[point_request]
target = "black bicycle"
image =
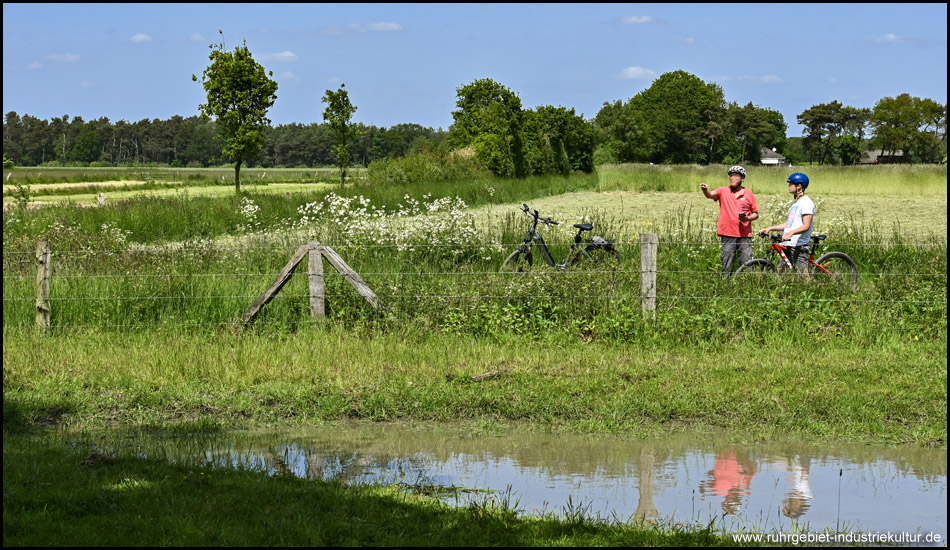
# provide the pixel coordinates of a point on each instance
(597, 249)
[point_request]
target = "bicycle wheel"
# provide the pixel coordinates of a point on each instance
(835, 268)
(755, 270)
(519, 260)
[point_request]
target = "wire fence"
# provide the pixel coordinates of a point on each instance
(459, 244)
(97, 282)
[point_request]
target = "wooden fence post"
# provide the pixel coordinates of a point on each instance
(274, 288)
(648, 246)
(351, 276)
(43, 271)
(315, 253)
(316, 281)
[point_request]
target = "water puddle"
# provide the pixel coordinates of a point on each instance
(765, 486)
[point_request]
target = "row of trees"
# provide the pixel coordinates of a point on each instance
(193, 141)
(681, 119)
(910, 126)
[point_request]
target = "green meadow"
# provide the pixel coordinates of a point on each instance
(146, 292)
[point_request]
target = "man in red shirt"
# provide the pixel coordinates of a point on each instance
(737, 210)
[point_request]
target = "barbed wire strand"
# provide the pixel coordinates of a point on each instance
(409, 246)
(540, 272)
(484, 296)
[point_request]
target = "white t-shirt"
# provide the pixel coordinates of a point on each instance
(799, 208)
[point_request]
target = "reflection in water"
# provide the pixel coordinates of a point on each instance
(646, 509)
(731, 477)
(883, 489)
(799, 491)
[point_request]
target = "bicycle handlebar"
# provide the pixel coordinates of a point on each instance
(775, 238)
(537, 216)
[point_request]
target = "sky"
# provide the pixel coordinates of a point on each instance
(403, 63)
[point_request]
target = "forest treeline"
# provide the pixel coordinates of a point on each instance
(678, 119)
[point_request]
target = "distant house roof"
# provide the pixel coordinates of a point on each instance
(874, 156)
(768, 156)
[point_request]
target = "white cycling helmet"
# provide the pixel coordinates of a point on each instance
(737, 170)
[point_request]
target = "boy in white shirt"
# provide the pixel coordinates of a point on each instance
(796, 231)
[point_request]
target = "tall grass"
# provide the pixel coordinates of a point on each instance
(447, 280)
(40, 175)
(833, 180)
(150, 219)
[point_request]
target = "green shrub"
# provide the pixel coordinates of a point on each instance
(424, 166)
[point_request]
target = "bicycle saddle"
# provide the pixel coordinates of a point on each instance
(584, 226)
(819, 237)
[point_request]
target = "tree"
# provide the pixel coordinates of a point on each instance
(239, 92)
(338, 113)
(557, 141)
(87, 147)
(677, 108)
(489, 119)
(623, 133)
(895, 121)
(932, 136)
(820, 127)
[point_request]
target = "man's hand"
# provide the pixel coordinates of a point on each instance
(703, 186)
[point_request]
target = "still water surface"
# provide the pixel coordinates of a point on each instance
(768, 486)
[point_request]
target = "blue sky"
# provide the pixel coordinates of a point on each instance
(404, 62)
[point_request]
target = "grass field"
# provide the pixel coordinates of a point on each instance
(146, 290)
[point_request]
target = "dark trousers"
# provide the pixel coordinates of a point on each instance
(731, 245)
(798, 255)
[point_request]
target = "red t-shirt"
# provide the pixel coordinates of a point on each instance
(729, 207)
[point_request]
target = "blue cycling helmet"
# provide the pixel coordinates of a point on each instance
(797, 178)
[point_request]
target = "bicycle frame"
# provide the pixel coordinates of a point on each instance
(780, 249)
(831, 267)
(534, 238)
(578, 248)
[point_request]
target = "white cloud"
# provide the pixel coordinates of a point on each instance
(34, 65)
(764, 79)
(198, 37)
(376, 27)
(141, 38)
(282, 56)
(636, 72)
(63, 57)
(385, 27)
(637, 19)
(889, 38)
(85, 84)
(289, 76)
(832, 80)
(689, 40)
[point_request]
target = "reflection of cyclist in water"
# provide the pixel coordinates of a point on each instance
(798, 499)
(731, 478)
